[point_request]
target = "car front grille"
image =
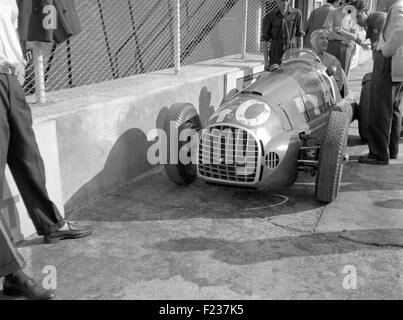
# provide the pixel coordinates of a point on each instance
(229, 154)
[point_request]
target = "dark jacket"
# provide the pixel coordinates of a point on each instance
(31, 17)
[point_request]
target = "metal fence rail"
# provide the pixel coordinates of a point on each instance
(122, 38)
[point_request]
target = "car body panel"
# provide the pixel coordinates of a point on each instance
(295, 99)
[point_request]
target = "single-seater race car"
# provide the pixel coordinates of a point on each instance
(292, 119)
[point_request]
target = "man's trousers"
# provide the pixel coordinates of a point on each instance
(18, 149)
(384, 115)
(342, 52)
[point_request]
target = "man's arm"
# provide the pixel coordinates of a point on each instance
(331, 29)
(265, 48)
(299, 34)
(395, 40)
(338, 75)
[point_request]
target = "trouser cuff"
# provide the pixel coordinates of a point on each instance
(11, 268)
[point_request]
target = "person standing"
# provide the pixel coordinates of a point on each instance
(317, 20)
(372, 22)
(385, 114)
(342, 37)
(19, 149)
(281, 28)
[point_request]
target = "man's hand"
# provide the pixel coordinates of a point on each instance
(347, 43)
(20, 73)
(267, 66)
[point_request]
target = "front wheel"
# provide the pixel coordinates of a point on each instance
(331, 158)
(182, 118)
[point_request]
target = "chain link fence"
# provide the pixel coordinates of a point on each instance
(123, 38)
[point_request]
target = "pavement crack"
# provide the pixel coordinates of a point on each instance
(322, 211)
(373, 244)
(287, 227)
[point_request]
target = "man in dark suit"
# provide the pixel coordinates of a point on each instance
(18, 149)
(385, 112)
(317, 20)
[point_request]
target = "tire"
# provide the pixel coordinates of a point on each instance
(184, 116)
(363, 120)
(331, 158)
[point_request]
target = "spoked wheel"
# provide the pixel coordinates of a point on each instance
(183, 118)
(331, 158)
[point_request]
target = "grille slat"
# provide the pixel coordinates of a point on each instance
(229, 154)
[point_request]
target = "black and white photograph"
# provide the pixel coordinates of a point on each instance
(201, 154)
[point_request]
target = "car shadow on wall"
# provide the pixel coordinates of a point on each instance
(128, 158)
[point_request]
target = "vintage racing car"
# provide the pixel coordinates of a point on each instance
(291, 119)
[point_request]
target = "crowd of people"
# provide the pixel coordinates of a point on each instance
(332, 33)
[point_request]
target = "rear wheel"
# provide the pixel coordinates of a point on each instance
(181, 117)
(331, 158)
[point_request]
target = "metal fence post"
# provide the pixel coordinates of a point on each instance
(245, 36)
(39, 73)
(177, 37)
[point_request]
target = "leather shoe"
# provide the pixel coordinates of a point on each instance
(74, 232)
(372, 160)
(393, 157)
(29, 288)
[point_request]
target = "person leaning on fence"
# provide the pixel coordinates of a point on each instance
(342, 37)
(283, 29)
(317, 20)
(385, 114)
(18, 149)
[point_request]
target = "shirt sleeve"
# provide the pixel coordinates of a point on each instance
(329, 25)
(266, 28)
(395, 40)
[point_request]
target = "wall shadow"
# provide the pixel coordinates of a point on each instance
(311, 245)
(126, 161)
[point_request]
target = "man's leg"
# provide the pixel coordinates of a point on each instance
(396, 121)
(26, 164)
(16, 282)
(349, 52)
(338, 49)
(10, 259)
(381, 113)
(275, 53)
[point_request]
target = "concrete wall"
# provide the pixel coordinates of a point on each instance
(95, 143)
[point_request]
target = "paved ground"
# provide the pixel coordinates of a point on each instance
(154, 240)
